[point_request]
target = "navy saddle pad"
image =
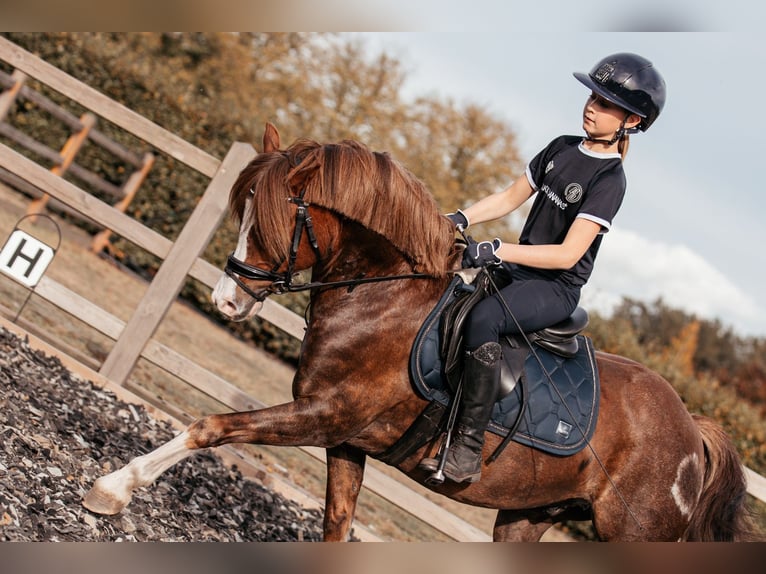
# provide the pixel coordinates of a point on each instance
(559, 419)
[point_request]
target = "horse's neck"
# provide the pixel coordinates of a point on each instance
(361, 252)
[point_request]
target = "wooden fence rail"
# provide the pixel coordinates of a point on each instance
(181, 259)
(15, 83)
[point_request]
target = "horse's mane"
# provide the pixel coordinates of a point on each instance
(368, 187)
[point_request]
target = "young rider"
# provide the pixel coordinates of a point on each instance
(580, 185)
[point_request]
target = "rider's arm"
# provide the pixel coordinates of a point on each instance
(563, 256)
(497, 205)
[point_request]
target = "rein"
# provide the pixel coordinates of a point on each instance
(283, 282)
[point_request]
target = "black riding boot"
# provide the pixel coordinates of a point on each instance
(481, 380)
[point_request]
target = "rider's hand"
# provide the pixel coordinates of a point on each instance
(482, 253)
(459, 219)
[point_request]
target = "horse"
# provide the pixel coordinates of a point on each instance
(380, 256)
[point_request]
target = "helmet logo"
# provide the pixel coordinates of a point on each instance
(604, 73)
(573, 192)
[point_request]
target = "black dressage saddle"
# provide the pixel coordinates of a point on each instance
(548, 396)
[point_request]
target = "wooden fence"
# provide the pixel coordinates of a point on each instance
(181, 259)
(133, 339)
(83, 129)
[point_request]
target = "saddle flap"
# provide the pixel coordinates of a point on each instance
(466, 295)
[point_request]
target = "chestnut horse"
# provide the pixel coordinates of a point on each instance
(652, 471)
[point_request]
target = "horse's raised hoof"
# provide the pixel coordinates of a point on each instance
(103, 501)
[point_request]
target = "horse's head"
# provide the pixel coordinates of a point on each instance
(278, 236)
(265, 202)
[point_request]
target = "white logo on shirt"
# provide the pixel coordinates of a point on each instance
(549, 166)
(550, 194)
(573, 192)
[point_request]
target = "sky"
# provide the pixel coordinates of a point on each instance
(689, 230)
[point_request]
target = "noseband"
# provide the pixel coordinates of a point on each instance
(283, 282)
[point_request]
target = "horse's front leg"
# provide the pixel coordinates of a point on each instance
(299, 423)
(112, 492)
(345, 471)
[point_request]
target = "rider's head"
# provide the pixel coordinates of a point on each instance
(631, 82)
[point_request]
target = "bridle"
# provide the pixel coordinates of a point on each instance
(284, 282)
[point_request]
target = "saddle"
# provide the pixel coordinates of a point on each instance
(468, 288)
(558, 420)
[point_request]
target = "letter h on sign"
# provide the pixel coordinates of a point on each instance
(25, 258)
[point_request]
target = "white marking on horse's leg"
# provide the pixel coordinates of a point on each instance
(112, 492)
(687, 486)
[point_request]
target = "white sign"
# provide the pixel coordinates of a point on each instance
(25, 258)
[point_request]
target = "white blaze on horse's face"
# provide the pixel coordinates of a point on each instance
(232, 302)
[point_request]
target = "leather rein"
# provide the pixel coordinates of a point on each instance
(284, 282)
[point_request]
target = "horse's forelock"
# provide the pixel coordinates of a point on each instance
(265, 180)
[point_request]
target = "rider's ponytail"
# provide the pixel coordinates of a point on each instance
(623, 145)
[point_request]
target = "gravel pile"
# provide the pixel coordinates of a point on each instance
(59, 433)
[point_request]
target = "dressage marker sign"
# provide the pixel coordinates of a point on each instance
(25, 258)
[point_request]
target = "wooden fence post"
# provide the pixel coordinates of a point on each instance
(9, 96)
(171, 275)
(68, 153)
(101, 239)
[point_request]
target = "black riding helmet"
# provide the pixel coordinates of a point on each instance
(629, 81)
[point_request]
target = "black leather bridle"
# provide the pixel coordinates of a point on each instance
(283, 282)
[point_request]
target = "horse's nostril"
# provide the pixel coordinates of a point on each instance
(227, 307)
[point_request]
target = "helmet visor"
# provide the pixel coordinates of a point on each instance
(609, 90)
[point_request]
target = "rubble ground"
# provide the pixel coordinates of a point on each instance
(58, 433)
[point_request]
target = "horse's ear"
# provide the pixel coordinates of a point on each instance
(270, 138)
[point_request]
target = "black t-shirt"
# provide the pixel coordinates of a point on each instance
(572, 181)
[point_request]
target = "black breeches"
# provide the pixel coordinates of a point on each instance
(535, 303)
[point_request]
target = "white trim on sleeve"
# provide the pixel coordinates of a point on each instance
(605, 225)
(531, 180)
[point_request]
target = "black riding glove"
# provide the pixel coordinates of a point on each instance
(481, 254)
(459, 219)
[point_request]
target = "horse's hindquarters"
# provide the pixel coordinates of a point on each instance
(652, 454)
